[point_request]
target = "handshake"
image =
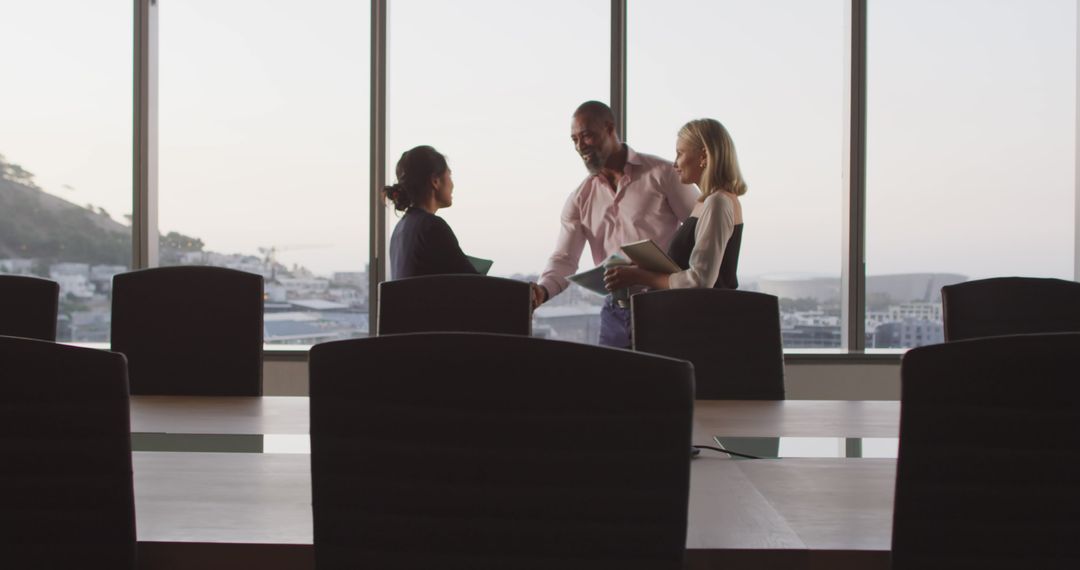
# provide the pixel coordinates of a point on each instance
(539, 295)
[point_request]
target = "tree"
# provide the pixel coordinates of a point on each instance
(180, 242)
(15, 173)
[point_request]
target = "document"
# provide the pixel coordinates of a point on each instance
(593, 279)
(647, 255)
(482, 266)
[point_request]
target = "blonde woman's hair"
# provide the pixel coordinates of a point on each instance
(721, 163)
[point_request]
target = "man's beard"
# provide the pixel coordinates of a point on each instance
(593, 162)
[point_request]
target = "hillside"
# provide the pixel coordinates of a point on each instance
(37, 225)
(34, 224)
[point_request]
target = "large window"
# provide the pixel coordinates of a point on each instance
(971, 153)
(65, 152)
(773, 74)
(264, 154)
(492, 85)
(263, 132)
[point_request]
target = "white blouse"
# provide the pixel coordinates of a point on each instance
(715, 225)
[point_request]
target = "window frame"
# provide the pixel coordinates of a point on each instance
(853, 273)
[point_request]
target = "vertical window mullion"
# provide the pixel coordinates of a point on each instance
(144, 219)
(853, 276)
(618, 65)
(377, 241)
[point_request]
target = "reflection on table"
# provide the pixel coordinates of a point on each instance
(253, 507)
(789, 447)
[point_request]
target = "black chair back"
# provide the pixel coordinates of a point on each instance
(732, 337)
(1010, 305)
(480, 451)
(66, 498)
(466, 303)
(28, 307)
(190, 330)
(989, 455)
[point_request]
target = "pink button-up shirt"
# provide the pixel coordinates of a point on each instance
(648, 203)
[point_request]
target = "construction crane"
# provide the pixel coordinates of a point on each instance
(269, 254)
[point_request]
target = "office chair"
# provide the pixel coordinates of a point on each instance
(481, 451)
(190, 330)
(732, 337)
(28, 307)
(466, 303)
(989, 455)
(66, 495)
(1010, 305)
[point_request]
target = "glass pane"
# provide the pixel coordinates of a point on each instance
(773, 74)
(264, 154)
(971, 142)
(492, 85)
(65, 152)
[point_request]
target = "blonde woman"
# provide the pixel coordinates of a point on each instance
(706, 246)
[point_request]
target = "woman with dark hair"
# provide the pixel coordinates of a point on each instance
(423, 243)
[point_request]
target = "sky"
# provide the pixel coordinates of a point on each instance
(264, 120)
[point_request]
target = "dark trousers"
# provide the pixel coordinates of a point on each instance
(614, 324)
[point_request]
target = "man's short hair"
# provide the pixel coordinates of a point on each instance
(596, 110)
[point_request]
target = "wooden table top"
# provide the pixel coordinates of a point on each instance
(779, 509)
(216, 510)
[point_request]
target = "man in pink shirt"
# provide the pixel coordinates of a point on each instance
(627, 197)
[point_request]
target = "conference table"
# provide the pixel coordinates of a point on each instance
(225, 482)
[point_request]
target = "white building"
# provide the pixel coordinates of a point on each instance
(274, 292)
(348, 296)
(809, 319)
(77, 286)
(68, 268)
(908, 333)
(303, 287)
(102, 275)
(17, 266)
(357, 279)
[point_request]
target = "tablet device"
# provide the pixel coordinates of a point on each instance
(593, 280)
(482, 266)
(647, 255)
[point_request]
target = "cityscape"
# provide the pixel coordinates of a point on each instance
(304, 308)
